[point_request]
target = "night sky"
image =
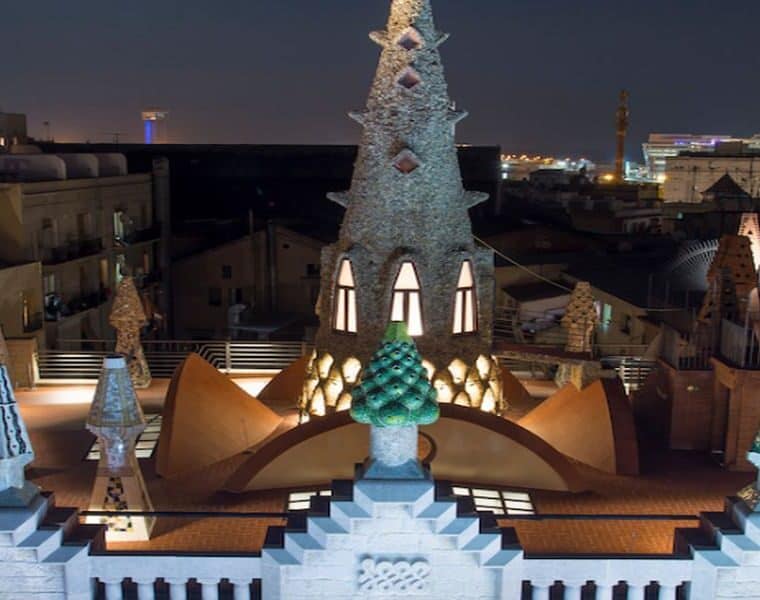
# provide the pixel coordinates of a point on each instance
(538, 76)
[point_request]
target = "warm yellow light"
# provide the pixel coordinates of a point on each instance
(608, 177)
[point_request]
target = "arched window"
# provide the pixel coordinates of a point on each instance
(465, 302)
(406, 305)
(344, 318)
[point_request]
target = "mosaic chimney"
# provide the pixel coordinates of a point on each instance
(117, 420)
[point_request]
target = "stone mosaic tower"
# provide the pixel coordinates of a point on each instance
(731, 278)
(750, 228)
(580, 319)
(128, 317)
(406, 250)
(117, 420)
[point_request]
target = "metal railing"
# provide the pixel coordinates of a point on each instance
(81, 359)
(687, 351)
(633, 371)
(153, 232)
(739, 345)
(72, 251)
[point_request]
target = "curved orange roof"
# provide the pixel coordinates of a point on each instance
(470, 447)
(207, 418)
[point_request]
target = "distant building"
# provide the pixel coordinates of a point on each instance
(617, 215)
(275, 181)
(519, 168)
(155, 127)
(549, 178)
(690, 175)
(87, 221)
(719, 213)
(246, 288)
(662, 146)
(12, 129)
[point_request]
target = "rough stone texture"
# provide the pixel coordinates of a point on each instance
(750, 228)
(128, 317)
(580, 319)
(751, 493)
(407, 203)
(580, 375)
(731, 278)
(116, 418)
(393, 453)
(15, 448)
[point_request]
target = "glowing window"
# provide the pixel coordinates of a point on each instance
(302, 500)
(499, 502)
(345, 299)
(465, 302)
(406, 303)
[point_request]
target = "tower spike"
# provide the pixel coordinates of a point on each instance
(358, 116)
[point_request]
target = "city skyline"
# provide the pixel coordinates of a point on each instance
(538, 77)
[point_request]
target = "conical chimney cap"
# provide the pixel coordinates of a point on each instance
(115, 403)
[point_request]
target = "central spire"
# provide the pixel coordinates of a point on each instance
(406, 252)
(407, 170)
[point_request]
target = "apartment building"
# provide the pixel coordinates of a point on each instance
(248, 287)
(86, 222)
(691, 174)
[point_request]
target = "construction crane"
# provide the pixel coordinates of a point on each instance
(623, 120)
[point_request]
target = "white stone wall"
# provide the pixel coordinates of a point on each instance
(392, 541)
(34, 564)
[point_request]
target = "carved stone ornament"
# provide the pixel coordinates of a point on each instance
(386, 577)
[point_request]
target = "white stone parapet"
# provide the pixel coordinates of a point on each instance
(393, 540)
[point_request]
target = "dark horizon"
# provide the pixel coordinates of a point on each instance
(537, 77)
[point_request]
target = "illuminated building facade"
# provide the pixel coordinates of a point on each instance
(661, 146)
(516, 167)
(76, 223)
(406, 249)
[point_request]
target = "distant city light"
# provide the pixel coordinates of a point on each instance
(519, 166)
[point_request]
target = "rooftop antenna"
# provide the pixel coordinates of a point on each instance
(115, 135)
